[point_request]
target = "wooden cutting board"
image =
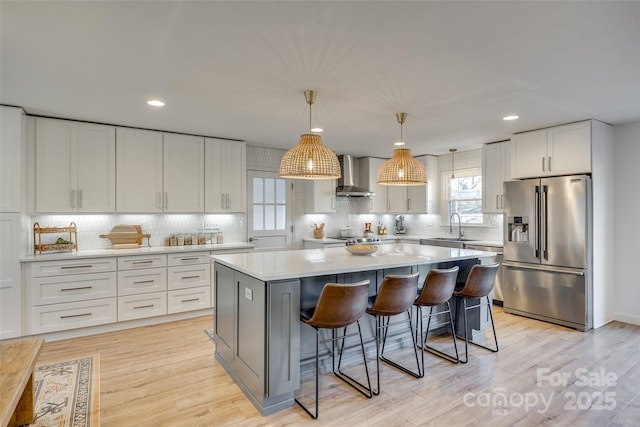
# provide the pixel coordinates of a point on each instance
(122, 234)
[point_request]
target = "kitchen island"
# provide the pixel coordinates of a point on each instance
(258, 296)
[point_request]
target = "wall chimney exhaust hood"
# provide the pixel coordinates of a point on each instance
(345, 183)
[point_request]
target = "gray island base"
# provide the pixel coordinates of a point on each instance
(259, 338)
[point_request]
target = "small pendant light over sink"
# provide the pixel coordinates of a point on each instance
(402, 168)
(310, 159)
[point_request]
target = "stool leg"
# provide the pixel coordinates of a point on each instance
(415, 350)
(493, 326)
(317, 381)
(361, 388)
(435, 351)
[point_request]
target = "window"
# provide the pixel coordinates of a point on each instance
(269, 204)
(463, 195)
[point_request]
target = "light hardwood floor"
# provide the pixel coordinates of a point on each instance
(166, 375)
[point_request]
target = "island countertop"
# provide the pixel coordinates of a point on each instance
(279, 265)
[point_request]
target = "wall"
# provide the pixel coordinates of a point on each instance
(627, 231)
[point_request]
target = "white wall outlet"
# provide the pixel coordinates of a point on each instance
(248, 294)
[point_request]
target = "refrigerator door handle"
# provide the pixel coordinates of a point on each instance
(544, 268)
(543, 231)
(537, 221)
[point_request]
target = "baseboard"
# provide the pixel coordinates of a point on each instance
(634, 319)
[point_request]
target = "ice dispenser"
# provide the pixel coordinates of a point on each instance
(518, 229)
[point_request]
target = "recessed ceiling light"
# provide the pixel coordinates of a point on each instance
(316, 130)
(513, 117)
(155, 103)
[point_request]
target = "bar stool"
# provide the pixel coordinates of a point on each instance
(339, 306)
(395, 296)
(437, 289)
(479, 284)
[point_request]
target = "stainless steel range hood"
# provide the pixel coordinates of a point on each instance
(345, 184)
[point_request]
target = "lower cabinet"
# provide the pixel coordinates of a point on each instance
(143, 305)
(142, 286)
(188, 299)
(58, 317)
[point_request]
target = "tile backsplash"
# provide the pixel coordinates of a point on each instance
(159, 226)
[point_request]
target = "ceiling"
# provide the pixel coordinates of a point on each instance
(238, 69)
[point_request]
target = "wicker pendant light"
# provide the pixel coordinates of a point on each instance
(310, 159)
(402, 168)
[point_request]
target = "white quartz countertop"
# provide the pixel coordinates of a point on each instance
(143, 250)
(494, 243)
(268, 266)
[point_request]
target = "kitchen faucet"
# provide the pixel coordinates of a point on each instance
(460, 232)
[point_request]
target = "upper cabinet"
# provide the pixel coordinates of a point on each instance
(320, 196)
(12, 143)
(225, 176)
(399, 199)
(496, 169)
(75, 167)
(560, 150)
(159, 172)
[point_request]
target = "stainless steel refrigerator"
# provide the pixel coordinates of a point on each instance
(547, 250)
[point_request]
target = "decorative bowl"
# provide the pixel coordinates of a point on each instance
(363, 246)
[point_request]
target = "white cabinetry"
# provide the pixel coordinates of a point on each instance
(424, 199)
(71, 294)
(368, 174)
(75, 167)
(560, 150)
(142, 286)
(320, 196)
(10, 289)
(12, 144)
(189, 281)
(225, 175)
(496, 169)
(159, 172)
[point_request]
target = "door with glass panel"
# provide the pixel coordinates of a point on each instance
(269, 210)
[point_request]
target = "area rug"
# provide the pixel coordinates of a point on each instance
(67, 393)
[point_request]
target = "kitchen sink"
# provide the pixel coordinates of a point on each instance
(446, 242)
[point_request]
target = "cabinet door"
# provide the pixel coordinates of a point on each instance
(529, 152)
(139, 171)
(96, 168)
(236, 176)
(183, 172)
(225, 293)
(320, 196)
(214, 152)
(12, 122)
(569, 149)
(56, 162)
(397, 199)
(10, 281)
(368, 174)
(491, 178)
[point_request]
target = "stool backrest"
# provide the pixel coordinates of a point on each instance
(480, 281)
(396, 294)
(340, 304)
(438, 286)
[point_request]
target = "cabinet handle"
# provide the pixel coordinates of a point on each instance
(143, 306)
(222, 199)
(543, 164)
(193, 258)
(497, 201)
(502, 201)
(67, 267)
(140, 282)
(549, 164)
(333, 203)
(228, 200)
(73, 198)
(75, 315)
(159, 200)
(166, 200)
(408, 204)
(149, 261)
(190, 277)
(76, 289)
(80, 202)
(191, 300)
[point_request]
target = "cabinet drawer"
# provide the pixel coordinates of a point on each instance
(189, 277)
(145, 305)
(59, 317)
(131, 282)
(73, 266)
(142, 261)
(75, 287)
(189, 299)
(189, 258)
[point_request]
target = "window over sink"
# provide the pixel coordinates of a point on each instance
(462, 194)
